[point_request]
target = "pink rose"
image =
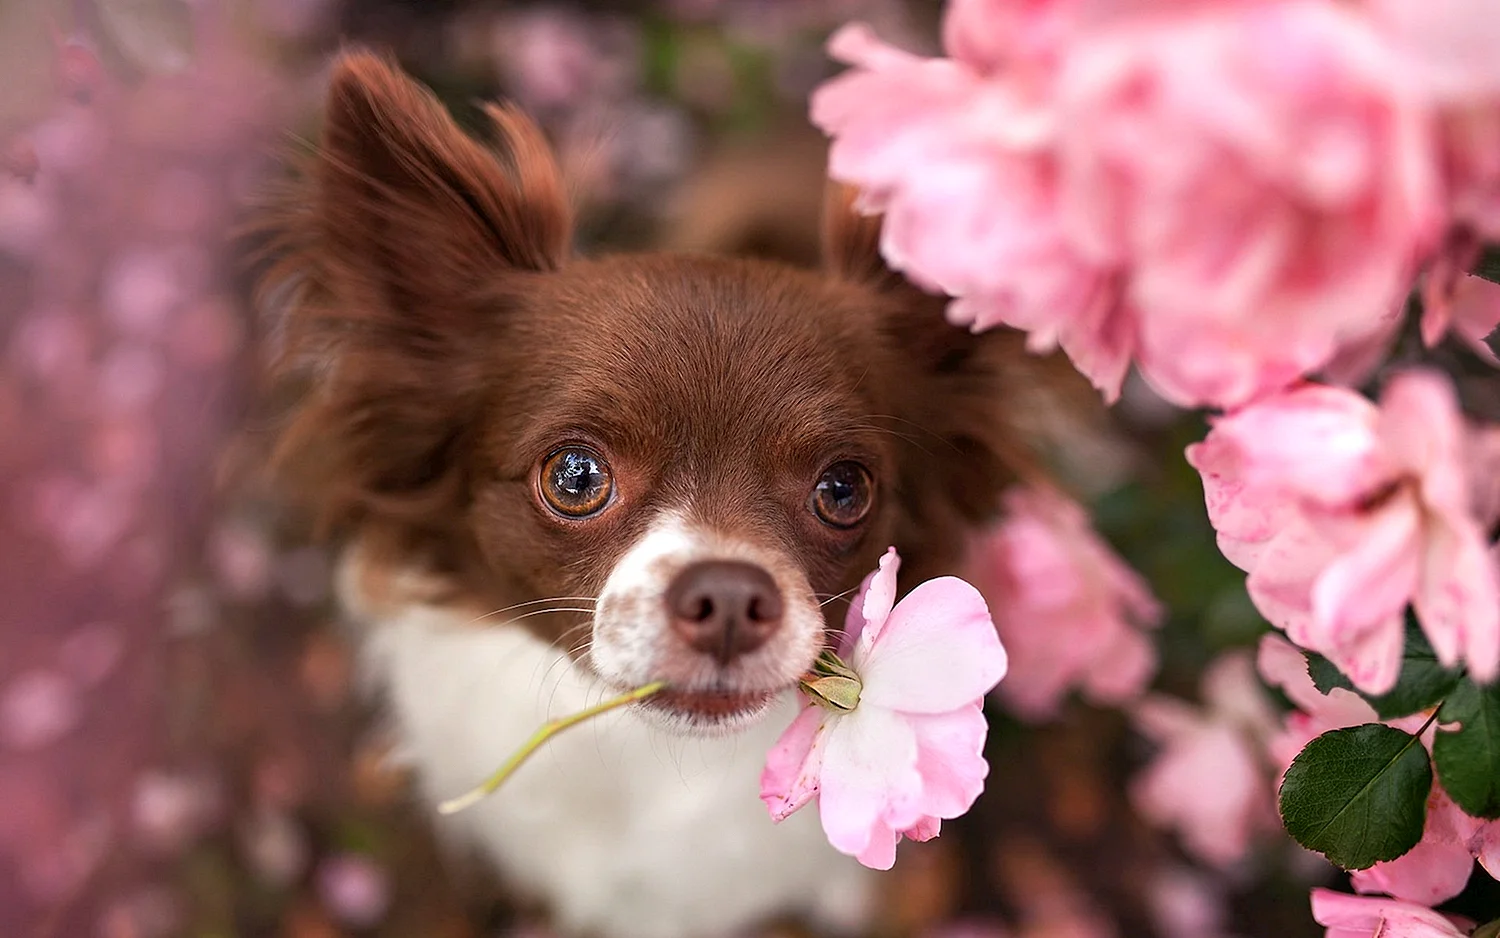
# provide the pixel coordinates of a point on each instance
(1344, 513)
(1210, 781)
(910, 753)
(1446, 51)
(1260, 172)
(961, 163)
(1448, 45)
(1071, 613)
(995, 35)
(1362, 917)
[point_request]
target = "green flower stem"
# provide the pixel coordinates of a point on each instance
(549, 730)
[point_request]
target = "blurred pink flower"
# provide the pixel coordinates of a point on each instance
(1187, 903)
(1448, 45)
(1069, 610)
(962, 166)
(1362, 917)
(171, 810)
(354, 890)
(37, 708)
(555, 57)
(911, 753)
(1259, 172)
(1226, 192)
(1447, 56)
(275, 846)
(91, 653)
(242, 561)
(996, 35)
(1343, 513)
(1209, 780)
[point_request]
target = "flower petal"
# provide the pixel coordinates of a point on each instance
(878, 597)
(950, 756)
(1458, 599)
(869, 764)
(1359, 600)
(790, 779)
(938, 651)
(880, 851)
(1429, 874)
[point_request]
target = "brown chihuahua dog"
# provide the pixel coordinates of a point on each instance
(557, 478)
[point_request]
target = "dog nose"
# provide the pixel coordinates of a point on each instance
(724, 608)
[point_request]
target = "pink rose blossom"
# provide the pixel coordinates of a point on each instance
(1210, 781)
(1446, 51)
(961, 163)
(354, 889)
(910, 754)
(1362, 917)
(1259, 171)
(1343, 513)
(1070, 611)
(1227, 193)
(993, 35)
(1448, 45)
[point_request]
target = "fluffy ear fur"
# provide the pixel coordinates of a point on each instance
(959, 409)
(388, 246)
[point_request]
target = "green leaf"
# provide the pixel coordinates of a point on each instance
(1489, 264)
(1423, 681)
(1358, 795)
(1325, 674)
(1468, 761)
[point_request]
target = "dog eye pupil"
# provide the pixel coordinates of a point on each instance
(842, 496)
(576, 482)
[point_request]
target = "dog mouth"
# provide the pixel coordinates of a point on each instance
(710, 706)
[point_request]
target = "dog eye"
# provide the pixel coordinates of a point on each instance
(842, 496)
(576, 481)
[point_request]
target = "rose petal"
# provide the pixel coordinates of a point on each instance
(938, 651)
(790, 779)
(869, 763)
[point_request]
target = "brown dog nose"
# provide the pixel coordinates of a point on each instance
(724, 608)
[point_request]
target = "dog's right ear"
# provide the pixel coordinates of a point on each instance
(412, 208)
(396, 253)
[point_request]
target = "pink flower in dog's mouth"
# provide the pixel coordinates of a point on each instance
(892, 743)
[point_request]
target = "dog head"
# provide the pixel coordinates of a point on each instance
(711, 448)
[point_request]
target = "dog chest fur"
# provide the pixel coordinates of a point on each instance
(622, 829)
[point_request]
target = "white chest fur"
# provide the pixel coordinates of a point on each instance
(624, 830)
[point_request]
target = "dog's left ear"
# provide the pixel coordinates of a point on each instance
(958, 398)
